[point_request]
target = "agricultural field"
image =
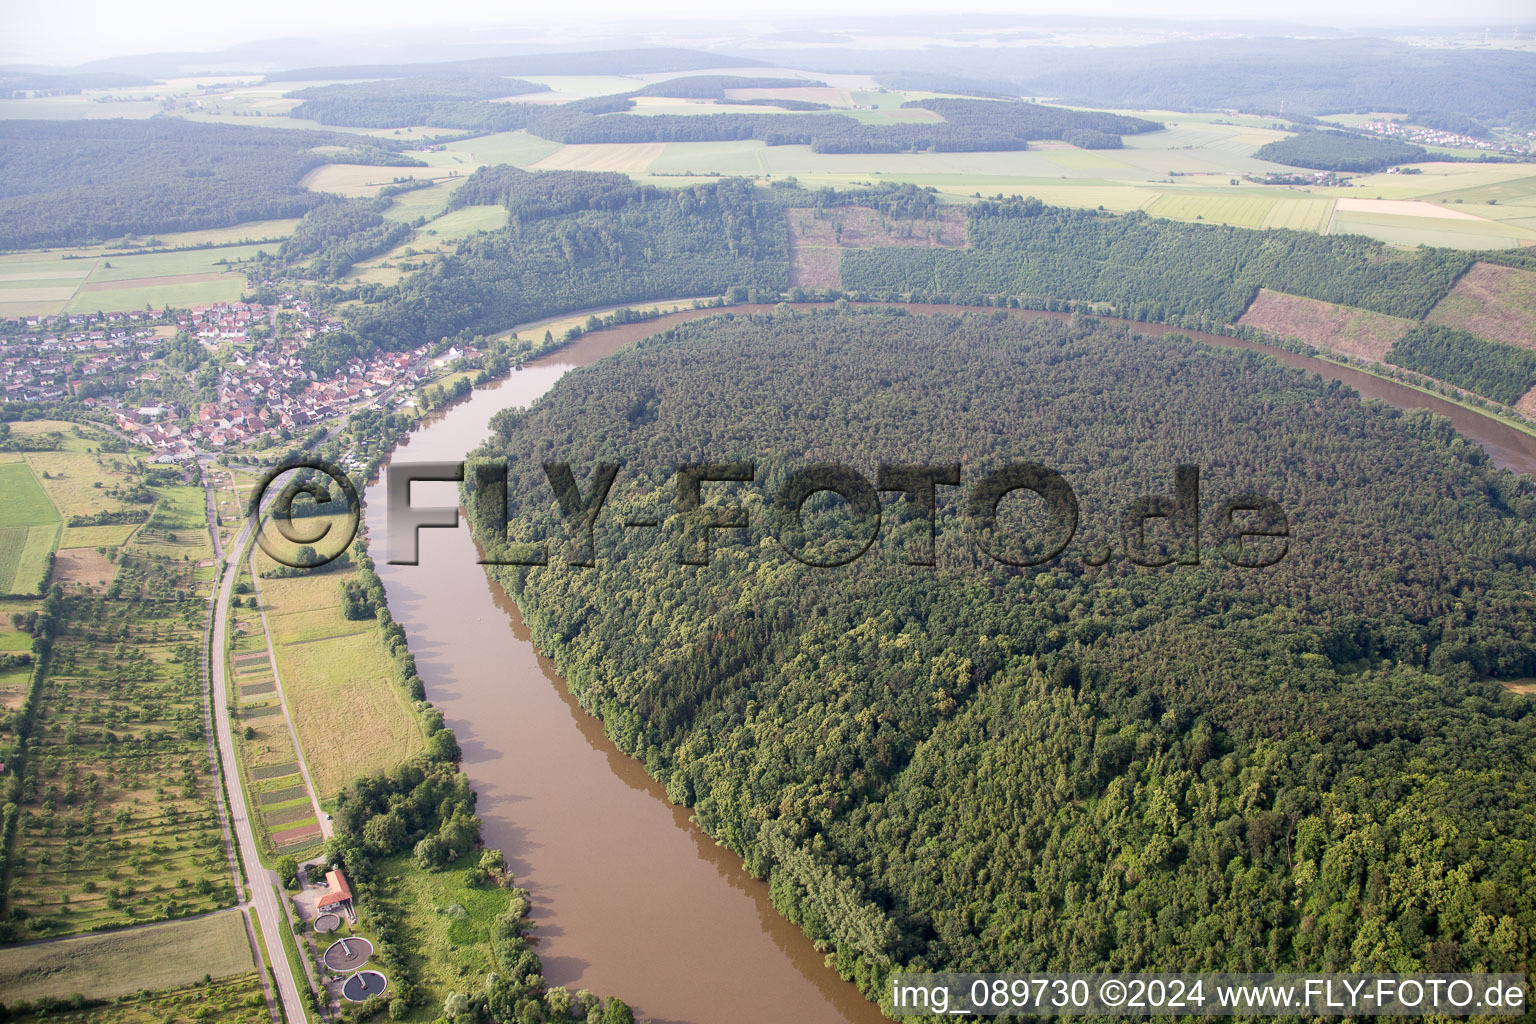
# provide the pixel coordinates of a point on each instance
(1342, 329)
(603, 156)
(1300, 214)
(112, 964)
(280, 805)
(351, 713)
(1408, 230)
(117, 815)
(1248, 211)
(29, 529)
(1493, 302)
(54, 281)
(363, 179)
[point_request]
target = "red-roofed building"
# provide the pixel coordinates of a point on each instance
(340, 896)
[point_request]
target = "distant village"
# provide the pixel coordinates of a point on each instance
(108, 362)
(1435, 137)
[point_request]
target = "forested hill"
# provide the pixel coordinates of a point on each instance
(573, 230)
(975, 767)
(67, 182)
(581, 240)
(1152, 269)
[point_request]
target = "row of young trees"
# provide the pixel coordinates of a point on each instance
(975, 766)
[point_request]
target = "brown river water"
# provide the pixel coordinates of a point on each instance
(630, 898)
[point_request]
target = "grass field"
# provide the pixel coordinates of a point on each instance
(351, 714)
(518, 148)
(29, 529)
(104, 966)
(96, 278)
(465, 221)
(426, 202)
(1493, 302)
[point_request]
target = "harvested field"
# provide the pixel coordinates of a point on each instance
(1404, 208)
(294, 836)
(1527, 404)
(83, 567)
(1342, 329)
(1492, 302)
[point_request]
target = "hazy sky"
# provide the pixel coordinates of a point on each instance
(70, 31)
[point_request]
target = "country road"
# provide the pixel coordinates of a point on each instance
(261, 881)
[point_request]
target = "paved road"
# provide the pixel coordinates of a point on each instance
(261, 880)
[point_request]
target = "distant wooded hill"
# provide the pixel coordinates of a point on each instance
(643, 61)
(66, 182)
(1339, 151)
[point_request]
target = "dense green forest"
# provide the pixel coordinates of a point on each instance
(439, 102)
(65, 182)
(978, 767)
(1501, 372)
(335, 235)
(1152, 269)
(1035, 120)
(1339, 151)
(582, 240)
(968, 125)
